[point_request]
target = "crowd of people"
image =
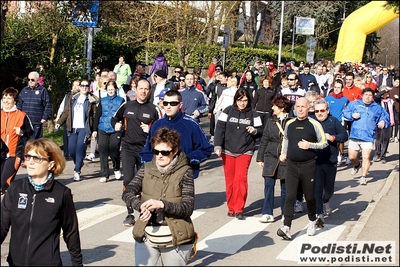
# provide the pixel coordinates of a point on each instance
(299, 118)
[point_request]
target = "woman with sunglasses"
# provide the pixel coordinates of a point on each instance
(79, 115)
(15, 130)
(163, 192)
(369, 82)
(109, 139)
(237, 129)
(38, 208)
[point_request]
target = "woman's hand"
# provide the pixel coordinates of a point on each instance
(218, 153)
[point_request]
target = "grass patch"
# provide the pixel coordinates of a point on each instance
(57, 136)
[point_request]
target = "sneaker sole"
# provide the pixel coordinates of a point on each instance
(283, 235)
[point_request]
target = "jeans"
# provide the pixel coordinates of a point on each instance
(269, 189)
(77, 147)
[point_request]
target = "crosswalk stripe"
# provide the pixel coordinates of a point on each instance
(232, 236)
(126, 235)
(330, 233)
(99, 213)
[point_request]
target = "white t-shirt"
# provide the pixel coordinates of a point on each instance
(79, 113)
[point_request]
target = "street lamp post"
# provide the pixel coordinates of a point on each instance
(294, 26)
(280, 35)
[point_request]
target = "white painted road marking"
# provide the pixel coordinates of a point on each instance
(232, 236)
(329, 233)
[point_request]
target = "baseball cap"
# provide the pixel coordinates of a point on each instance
(271, 63)
(162, 93)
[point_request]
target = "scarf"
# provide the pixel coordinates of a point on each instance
(45, 185)
(165, 169)
(337, 96)
(387, 104)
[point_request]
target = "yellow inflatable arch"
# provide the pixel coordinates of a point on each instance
(357, 26)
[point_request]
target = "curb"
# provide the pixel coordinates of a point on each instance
(358, 227)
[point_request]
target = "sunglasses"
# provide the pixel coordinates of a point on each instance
(31, 80)
(217, 69)
(163, 152)
(182, 80)
(177, 71)
(291, 79)
(36, 159)
(85, 85)
(281, 66)
(172, 103)
(320, 110)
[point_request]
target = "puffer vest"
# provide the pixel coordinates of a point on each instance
(156, 185)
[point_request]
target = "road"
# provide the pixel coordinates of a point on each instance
(224, 240)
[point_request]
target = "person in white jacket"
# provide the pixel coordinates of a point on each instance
(226, 98)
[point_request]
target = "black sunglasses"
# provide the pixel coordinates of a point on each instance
(31, 80)
(172, 103)
(177, 71)
(291, 79)
(85, 85)
(36, 159)
(163, 152)
(218, 69)
(182, 80)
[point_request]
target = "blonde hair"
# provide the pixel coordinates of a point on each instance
(232, 82)
(47, 148)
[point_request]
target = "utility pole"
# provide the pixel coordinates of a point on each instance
(280, 35)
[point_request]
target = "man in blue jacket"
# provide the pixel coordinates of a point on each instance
(193, 139)
(326, 159)
(34, 100)
(365, 115)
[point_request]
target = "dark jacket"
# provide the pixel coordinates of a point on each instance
(252, 87)
(132, 114)
(270, 149)
(90, 110)
(262, 100)
(36, 103)
(332, 126)
(168, 84)
(215, 90)
(231, 135)
(175, 188)
(37, 218)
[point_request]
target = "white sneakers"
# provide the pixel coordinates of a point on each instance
(284, 232)
(103, 180)
(363, 181)
(339, 159)
(266, 218)
(117, 175)
(77, 176)
(90, 157)
(311, 228)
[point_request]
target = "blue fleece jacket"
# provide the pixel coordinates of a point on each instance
(193, 140)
